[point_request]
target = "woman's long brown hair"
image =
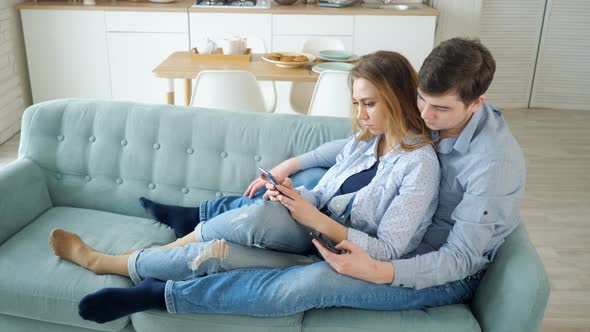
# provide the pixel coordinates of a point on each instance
(397, 84)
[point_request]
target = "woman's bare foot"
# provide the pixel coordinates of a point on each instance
(70, 246)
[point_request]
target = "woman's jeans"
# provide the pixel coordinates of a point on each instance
(274, 292)
(237, 233)
(308, 178)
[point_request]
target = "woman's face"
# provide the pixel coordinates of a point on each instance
(371, 109)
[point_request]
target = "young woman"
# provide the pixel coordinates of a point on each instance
(380, 195)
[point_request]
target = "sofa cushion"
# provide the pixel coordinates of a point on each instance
(35, 284)
(456, 318)
(154, 321)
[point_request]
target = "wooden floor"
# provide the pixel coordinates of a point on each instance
(556, 207)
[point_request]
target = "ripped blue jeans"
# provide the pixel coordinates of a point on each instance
(235, 232)
(261, 234)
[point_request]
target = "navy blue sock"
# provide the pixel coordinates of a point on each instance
(109, 304)
(182, 219)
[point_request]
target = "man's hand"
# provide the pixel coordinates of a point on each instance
(357, 263)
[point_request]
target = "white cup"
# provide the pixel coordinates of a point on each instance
(234, 45)
(206, 46)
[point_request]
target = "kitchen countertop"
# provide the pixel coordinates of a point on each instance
(178, 6)
(185, 5)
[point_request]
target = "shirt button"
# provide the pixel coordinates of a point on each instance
(224, 155)
(218, 194)
(257, 158)
(119, 181)
(156, 146)
(91, 139)
(152, 186)
(60, 138)
(123, 142)
(88, 178)
(190, 151)
(185, 190)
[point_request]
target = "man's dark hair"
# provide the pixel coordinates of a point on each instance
(458, 65)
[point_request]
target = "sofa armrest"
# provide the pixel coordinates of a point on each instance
(514, 292)
(23, 196)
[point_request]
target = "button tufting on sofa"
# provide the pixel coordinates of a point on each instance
(218, 194)
(60, 138)
(58, 176)
(123, 142)
(88, 178)
(224, 155)
(185, 190)
(92, 139)
(152, 186)
(156, 146)
(190, 150)
(257, 158)
(119, 181)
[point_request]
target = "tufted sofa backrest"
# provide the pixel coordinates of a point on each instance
(103, 155)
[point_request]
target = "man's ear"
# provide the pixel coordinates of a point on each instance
(476, 104)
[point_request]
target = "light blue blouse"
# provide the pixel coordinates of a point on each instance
(390, 215)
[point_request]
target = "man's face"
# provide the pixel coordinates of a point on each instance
(446, 112)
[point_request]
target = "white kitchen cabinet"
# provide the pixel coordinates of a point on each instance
(67, 54)
(293, 43)
(218, 26)
(412, 36)
(138, 42)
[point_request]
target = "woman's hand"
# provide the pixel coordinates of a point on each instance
(357, 263)
(280, 172)
(301, 210)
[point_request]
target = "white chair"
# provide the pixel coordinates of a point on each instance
(332, 95)
(301, 92)
(267, 88)
(235, 90)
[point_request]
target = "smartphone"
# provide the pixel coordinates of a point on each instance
(271, 179)
(328, 246)
(268, 176)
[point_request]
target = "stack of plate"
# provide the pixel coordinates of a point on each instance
(342, 57)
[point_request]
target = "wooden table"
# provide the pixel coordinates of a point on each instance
(182, 65)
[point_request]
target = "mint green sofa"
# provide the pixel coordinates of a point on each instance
(82, 165)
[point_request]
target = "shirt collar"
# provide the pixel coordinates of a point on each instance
(461, 142)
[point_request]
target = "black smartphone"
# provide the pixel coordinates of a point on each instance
(328, 246)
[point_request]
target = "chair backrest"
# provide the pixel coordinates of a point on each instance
(235, 90)
(332, 95)
(301, 92)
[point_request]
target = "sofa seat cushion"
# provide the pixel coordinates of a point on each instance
(156, 321)
(456, 318)
(37, 285)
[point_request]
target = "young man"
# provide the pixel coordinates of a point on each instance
(482, 184)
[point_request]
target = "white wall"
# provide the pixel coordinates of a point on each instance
(14, 83)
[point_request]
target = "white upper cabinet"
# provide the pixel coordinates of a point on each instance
(67, 54)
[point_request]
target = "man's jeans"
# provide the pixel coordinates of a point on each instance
(274, 292)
